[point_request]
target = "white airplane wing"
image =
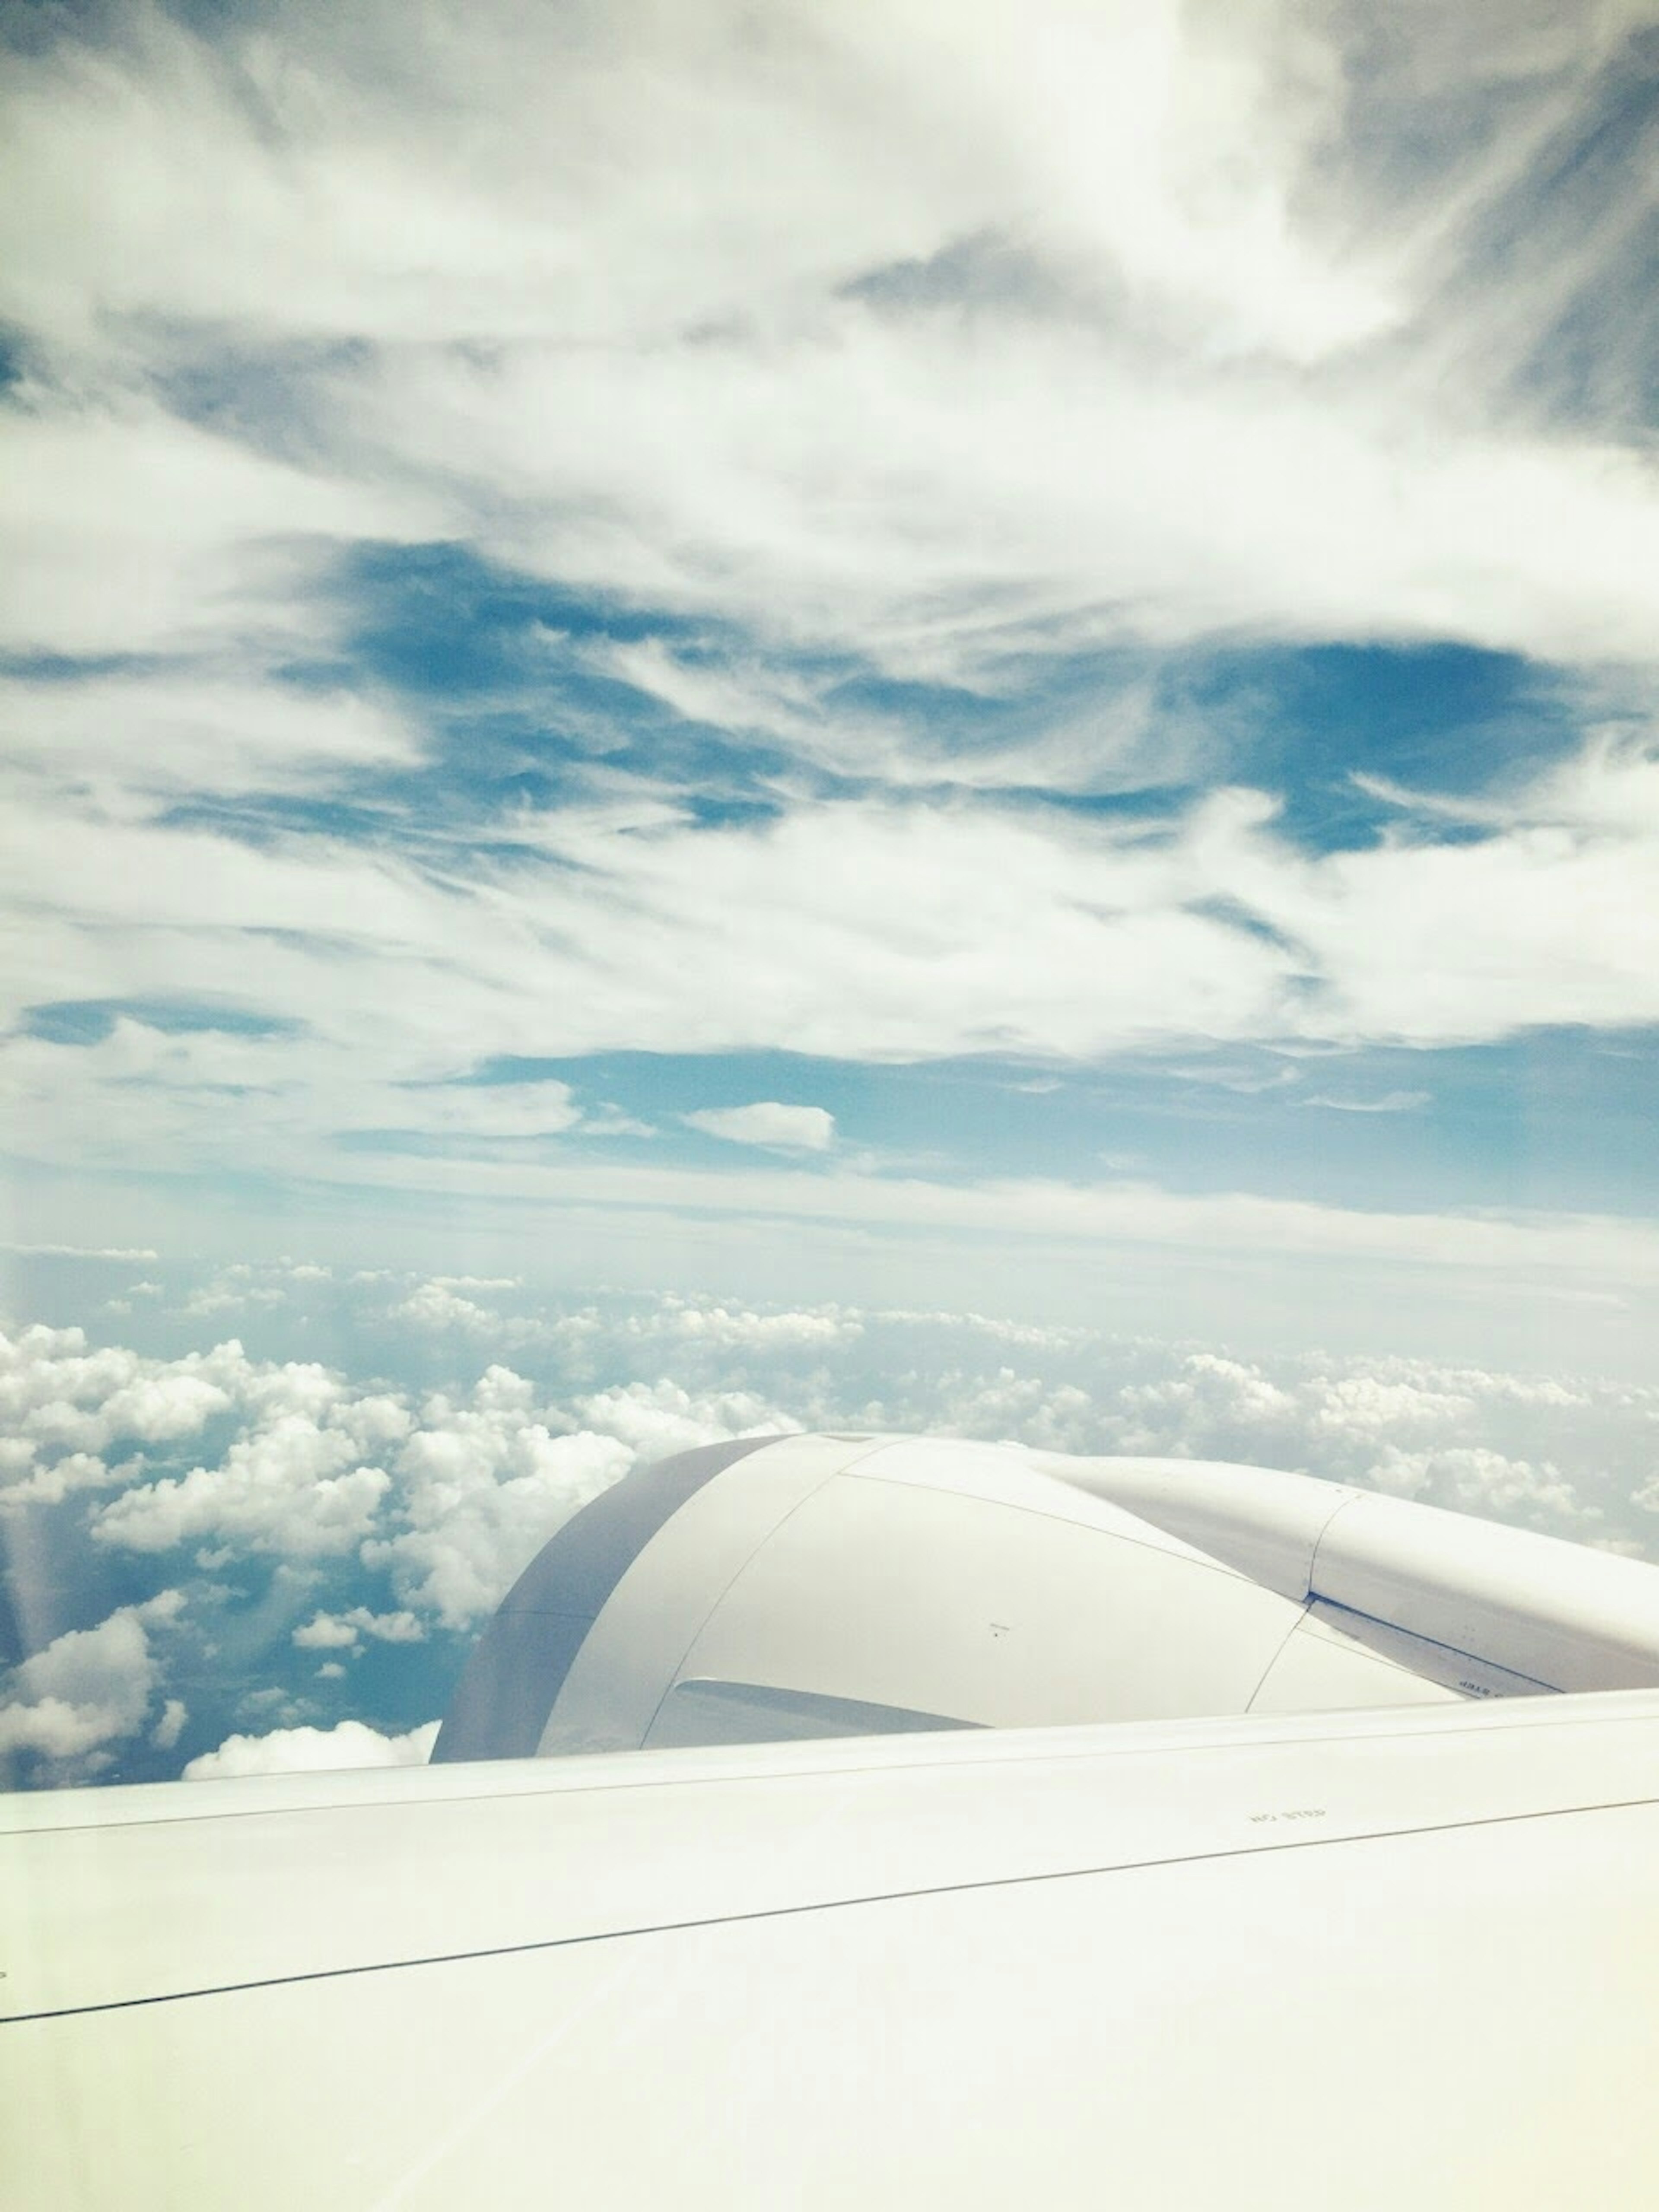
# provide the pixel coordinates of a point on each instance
(1209, 1951)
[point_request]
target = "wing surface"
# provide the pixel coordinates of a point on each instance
(1391, 1958)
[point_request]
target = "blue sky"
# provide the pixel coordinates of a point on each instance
(935, 659)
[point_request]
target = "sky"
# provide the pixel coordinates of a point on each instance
(947, 659)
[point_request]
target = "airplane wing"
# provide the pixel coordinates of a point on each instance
(1397, 1953)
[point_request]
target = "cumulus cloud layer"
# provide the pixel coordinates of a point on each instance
(257, 1625)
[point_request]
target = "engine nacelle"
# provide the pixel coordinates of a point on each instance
(828, 1585)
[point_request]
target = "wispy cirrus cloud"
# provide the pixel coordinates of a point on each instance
(1131, 539)
(891, 385)
(1387, 1102)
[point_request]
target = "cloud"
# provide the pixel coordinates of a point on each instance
(654, 1419)
(130, 532)
(1606, 1252)
(165, 735)
(435, 1305)
(328, 1631)
(482, 1483)
(448, 1499)
(1473, 1479)
(274, 1492)
(1390, 1102)
(325, 1632)
(947, 269)
(1038, 470)
(296, 1482)
(924, 456)
(47, 1482)
(136, 1255)
(1058, 366)
(347, 1744)
(709, 1322)
(780, 1128)
(63, 1405)
(168, 1731)
(544, 1109)
(994, 932)
(1408, 1428)
(88, 1688)
(271, 1494)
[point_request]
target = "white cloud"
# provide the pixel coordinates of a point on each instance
(168, 1731)
(1040, 471)
(327, 1631)
(64, 1405)
(1405, 1427)
(481, 1485)
(88, 1688)
(435, 1305)
(778, 1127)
(84, 1252)
(168, 737)
(1431, 942)
(159, 1407)
(292, 1487)
(312, 1750)
(491, 1110)
(128, 531)
(1056, 939)
(741, 1328)
(1036, 223)
(1473, 1479)
(50, 1481)
(292, 1480)
(1107, 325)
(450, 1500)
(656, 1419)
(1387, 1102)
(1603, 1255)
(1151, 325)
